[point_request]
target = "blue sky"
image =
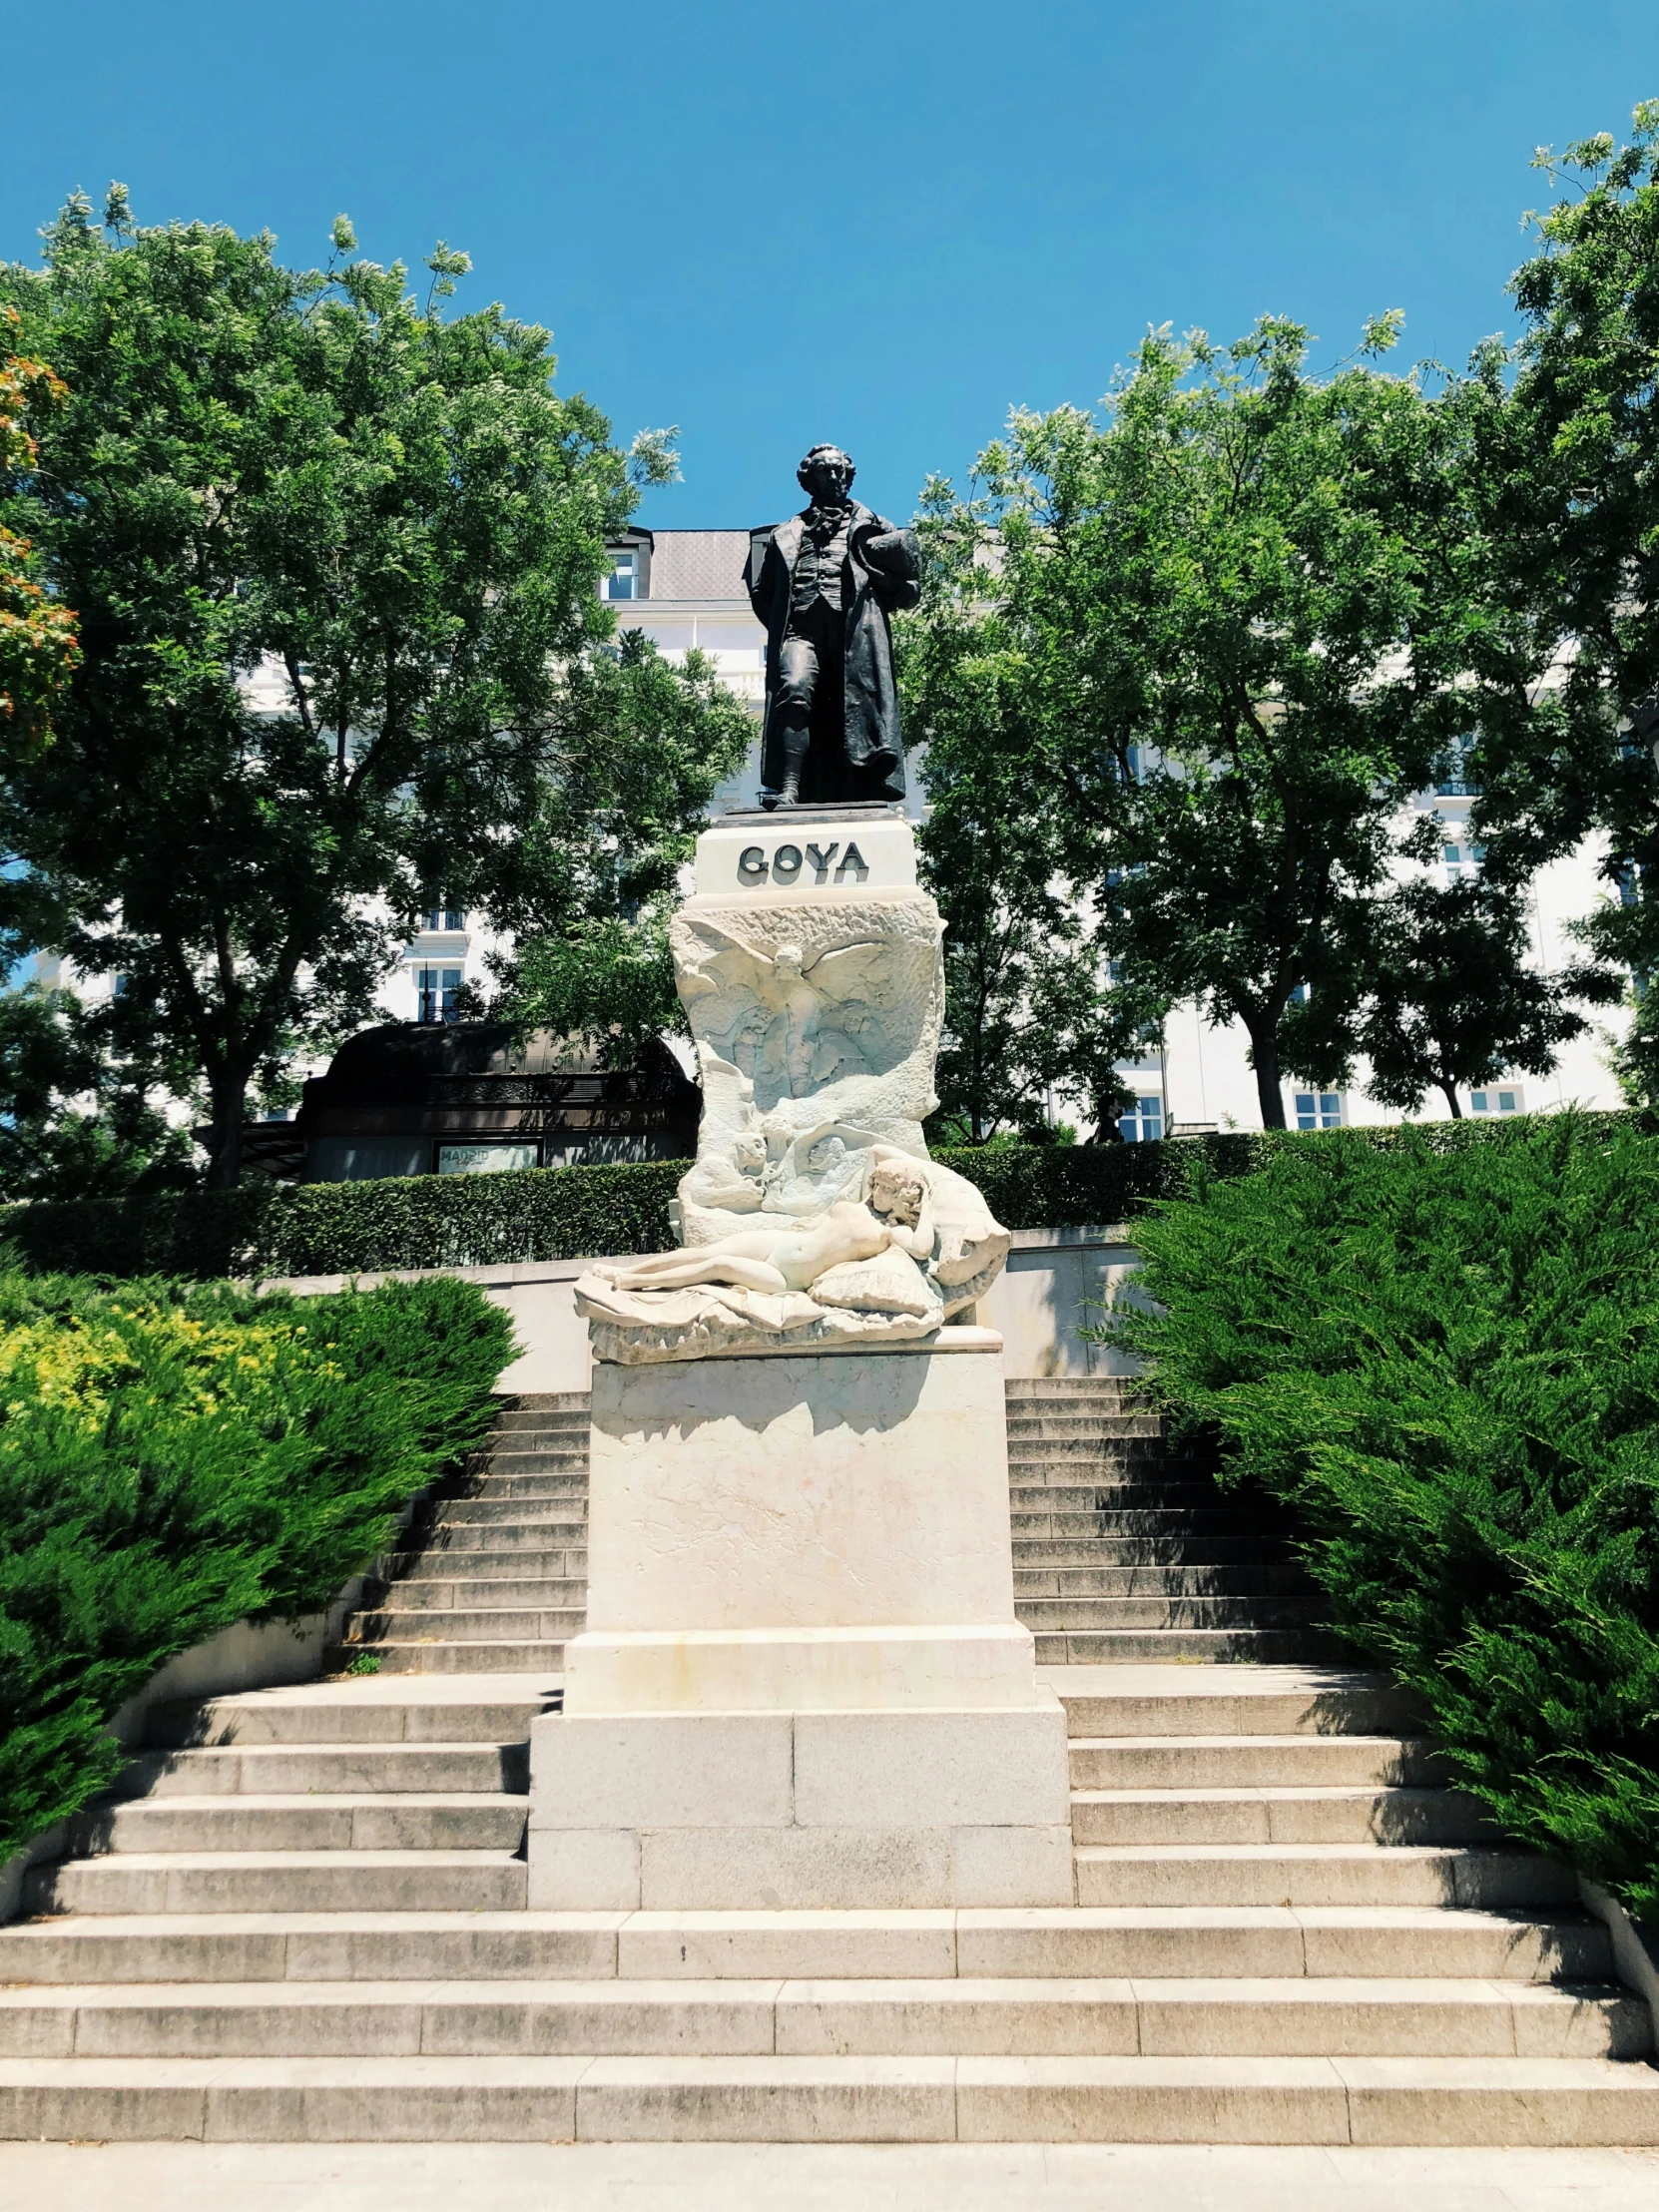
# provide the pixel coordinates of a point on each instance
(880, 224)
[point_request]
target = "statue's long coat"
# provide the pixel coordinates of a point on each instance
(869, 698)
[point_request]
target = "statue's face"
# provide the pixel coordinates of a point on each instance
(827, 1153)
(899, 1195)
(790, 957)
(751, 1153)
(828, 476)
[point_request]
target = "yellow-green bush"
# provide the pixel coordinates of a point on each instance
(174, 1458)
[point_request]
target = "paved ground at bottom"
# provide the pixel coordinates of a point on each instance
(733, 2177)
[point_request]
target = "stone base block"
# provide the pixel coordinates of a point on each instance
(787, 1811)
(789, 1670)
(796, 1531)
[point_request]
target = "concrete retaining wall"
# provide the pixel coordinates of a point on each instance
(1057, 1282)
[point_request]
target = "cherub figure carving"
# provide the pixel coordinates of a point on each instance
(723, 989)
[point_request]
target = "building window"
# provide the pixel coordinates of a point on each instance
(1319, 1109)
(444, 917)
(624, 579)
(1463, 862)
(1144, 1123)
(437, 993)
(1456, 781)
(1495, 1102)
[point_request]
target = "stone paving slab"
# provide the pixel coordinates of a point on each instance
(733, 2177)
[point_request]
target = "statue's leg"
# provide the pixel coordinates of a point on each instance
(681, 1271)
(792, 707)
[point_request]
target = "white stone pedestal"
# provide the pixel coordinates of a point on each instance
(802, 1683)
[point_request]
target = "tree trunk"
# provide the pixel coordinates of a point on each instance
(1264, 1053)
(228, 1089)
(1450, 1090)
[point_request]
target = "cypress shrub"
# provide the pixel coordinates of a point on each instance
(1447, 1364)
(177, 1458)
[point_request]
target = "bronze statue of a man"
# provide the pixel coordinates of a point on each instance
(824, 584)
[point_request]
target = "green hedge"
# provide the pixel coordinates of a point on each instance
(176, 1457)
(416, 1221)
(435, 1221)
(1449, 1368)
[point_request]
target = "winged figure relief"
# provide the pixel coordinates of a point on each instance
(791, 1024)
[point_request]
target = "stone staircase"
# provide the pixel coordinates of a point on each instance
(494, 1577)
(1125, 1551)
(304, 1916)
(306, 1921)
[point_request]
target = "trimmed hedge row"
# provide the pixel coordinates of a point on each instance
(431, 1221)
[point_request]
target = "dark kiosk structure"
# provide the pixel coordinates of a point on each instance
(824, 584)
(458, 1098)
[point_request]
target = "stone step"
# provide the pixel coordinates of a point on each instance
(1056, 1943)
(1047, 1943)
(331, 1769)
(1063, 1492)
(484, 1585)
(465, 1559)
(1100, 1614)
(1161, 1647)
(547, 1401)
(570, 1461)
(1209, 1702)
(1173, 1549)
(1316, 1873)
(280, 1881)
(567, 1516)
(352, 1714)
(475, 1624)
(424, 1655)
(510, 1527)
(1198, 1524)
(527, 1483)
(1251, 1762)
(879, 2098)
(1080, 1429)
(531, 1431)
(844, 2017)
(414, 1820)
(1069, 1385)
(1038, 1582)
(1135, 1451)
(1331, 1813)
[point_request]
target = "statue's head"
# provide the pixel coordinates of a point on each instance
(827, 473)
(827, 1153)
(898, 1191)
(790, 958)
(748, 1149)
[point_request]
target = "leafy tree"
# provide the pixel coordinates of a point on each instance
(337, 560)
(1031, 1010)
(1239, 617)
(1579, 530)
(74, 1122)
(1453, 1002)
(37, 634)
